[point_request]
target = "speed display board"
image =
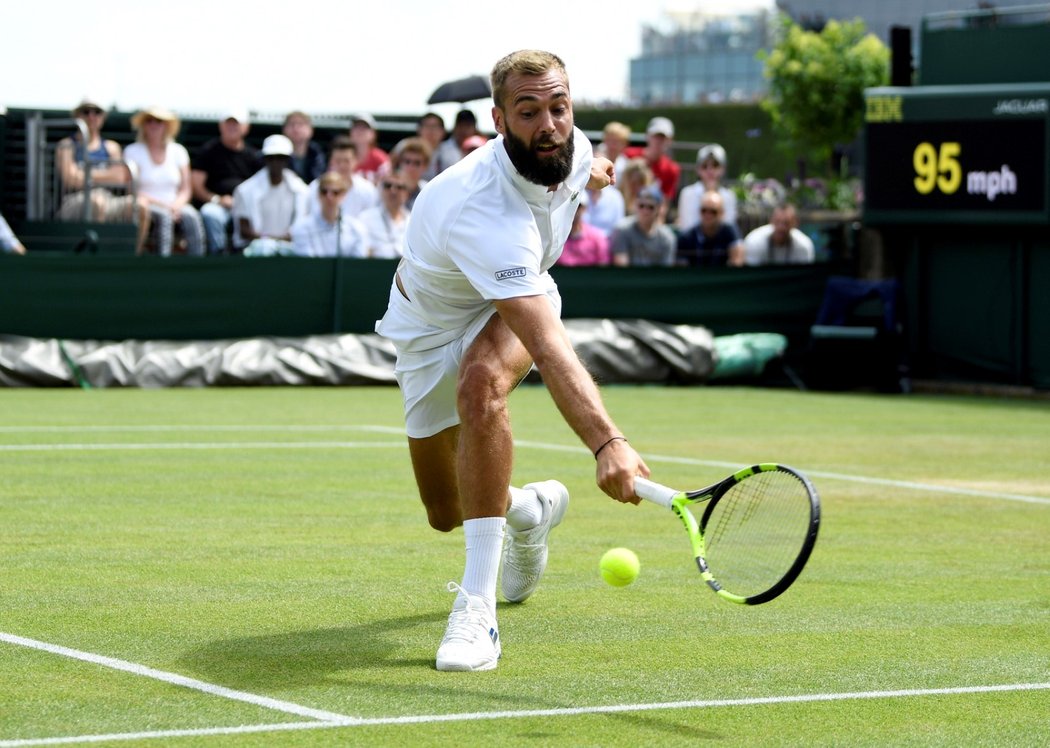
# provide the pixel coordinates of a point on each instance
(957, 154)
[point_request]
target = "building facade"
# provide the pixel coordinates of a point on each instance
(695, 57)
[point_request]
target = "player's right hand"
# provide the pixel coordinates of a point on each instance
(618, 463)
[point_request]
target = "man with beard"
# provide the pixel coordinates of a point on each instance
(471, 308)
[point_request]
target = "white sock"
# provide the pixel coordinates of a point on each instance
(525, 510)
(484, 539)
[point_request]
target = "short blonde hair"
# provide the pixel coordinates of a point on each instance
(333, 179)
(523, 62)
(617, 130)
(411, 145)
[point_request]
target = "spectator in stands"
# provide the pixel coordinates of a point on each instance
(385, 224)
(431, 129)
(411, 157)
(712, 242)
(659, 136)
(330, 231)
(360, 193)
(616, 136)
(102, 158)
(710, 171)
(643, 239)
(586, 245)
(451, 150)
(266, 204)
(216, 170)
(163, 188)
(780, 242)
(472, 143)
(606, 209)
(9, 243)
(637, 176)
(308, 158)
(371, 159)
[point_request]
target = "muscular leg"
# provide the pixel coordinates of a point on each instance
(434, 464)
(481, 448)
(491, 368)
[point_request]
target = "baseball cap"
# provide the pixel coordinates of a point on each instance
(238, 113)
(711, 152)
(363, 118)
(660, 126)
(88, 102)
(652, 192)
(277, 145)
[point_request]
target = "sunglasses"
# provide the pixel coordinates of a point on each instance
(646, 206)
(394, 186)
(710, 211)
(331, 191)
(90, 110)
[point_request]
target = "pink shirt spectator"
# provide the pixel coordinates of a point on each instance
(585, 246)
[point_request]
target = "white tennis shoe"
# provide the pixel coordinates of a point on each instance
(471, 640)
(525, 551)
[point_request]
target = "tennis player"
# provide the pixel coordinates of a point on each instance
(472, 306)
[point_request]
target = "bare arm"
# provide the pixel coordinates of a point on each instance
(533, 320)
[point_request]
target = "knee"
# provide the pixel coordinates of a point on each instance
(442, 521)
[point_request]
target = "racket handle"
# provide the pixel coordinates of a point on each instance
(654, 492)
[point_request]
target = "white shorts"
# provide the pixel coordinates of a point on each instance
(428, 382)
(428, 377)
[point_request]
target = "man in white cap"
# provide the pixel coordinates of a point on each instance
(659, 135)
(710, 171)
(216, 169)
(267, 204)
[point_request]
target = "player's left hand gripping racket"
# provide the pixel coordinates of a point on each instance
(756, 532)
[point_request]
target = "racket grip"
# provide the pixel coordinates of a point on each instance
(654, 492)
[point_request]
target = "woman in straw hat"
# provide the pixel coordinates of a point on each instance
(163, 181)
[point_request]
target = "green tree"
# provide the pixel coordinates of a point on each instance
(817, 82)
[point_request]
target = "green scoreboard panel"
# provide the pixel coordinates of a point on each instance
(957, 154)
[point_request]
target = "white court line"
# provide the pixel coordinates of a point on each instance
(868, 480)
(161, 428)
(176, 679)
(912, 485)
(139, 446)
(531, 713)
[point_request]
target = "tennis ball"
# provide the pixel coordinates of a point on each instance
(619, 566)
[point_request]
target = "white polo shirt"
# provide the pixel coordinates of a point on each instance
(478, 232)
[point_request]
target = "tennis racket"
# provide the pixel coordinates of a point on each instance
(756, 531)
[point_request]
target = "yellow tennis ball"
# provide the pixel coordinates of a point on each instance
(619, 566)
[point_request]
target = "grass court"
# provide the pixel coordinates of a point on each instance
(252, 567)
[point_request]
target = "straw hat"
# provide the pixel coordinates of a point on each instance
(171, 122)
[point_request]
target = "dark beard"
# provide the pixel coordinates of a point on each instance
(547, 171)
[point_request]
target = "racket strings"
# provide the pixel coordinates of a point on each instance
(756, 530)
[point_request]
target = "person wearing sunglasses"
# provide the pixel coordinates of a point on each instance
(386, 223)
(76, 156)
(361, 194)
(329, 231)
(643, 238)
(412, 157)
(710, 173)
(712, 242)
